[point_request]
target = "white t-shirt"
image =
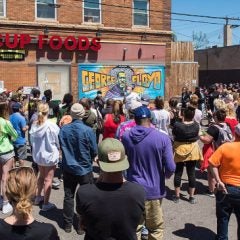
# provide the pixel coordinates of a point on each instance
(162, 120)
(198, 116)
(129, 98)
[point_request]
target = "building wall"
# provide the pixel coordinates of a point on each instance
(218, 65)
(150, 45)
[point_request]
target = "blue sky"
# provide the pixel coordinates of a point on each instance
(219, 8)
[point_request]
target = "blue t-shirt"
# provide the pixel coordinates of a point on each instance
(18, 122)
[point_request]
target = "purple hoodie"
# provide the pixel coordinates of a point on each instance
(150, 157)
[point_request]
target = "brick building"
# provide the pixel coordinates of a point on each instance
(81, 46)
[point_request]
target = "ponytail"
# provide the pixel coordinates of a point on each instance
(43, 109)
(24, 207)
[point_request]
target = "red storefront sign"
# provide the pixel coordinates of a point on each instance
(55, 42)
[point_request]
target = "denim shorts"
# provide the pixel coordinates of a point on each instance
(20, 152)
(5, 157)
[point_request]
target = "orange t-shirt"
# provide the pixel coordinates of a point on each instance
(227, 158)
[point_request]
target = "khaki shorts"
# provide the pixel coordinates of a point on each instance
(5, 157)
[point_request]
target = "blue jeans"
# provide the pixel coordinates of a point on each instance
(225, 205)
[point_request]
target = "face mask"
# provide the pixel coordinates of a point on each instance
(128, 92)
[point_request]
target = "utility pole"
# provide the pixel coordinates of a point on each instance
(227, 33)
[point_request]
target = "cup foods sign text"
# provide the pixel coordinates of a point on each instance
(55, 42)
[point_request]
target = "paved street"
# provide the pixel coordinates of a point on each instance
(183, 220)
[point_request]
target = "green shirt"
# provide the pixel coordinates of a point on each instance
(7, 136)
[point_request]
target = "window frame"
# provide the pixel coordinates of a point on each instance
(42, 18)
(4, 9)
(100, 13)
(147, 13)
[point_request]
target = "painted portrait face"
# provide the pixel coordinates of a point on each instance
(121, 79)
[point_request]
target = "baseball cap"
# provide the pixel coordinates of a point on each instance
(145, 99)
(16, 106)
(77, 111)
(111, 155)
(237, 130)
(142, 112)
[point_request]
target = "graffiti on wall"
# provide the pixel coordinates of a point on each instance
(113, 80)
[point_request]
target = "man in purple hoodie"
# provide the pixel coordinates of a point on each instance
(151, 161)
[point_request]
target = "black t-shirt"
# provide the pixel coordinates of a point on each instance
(34, 231)
(110, 211)
(53, 109)
(186, 132)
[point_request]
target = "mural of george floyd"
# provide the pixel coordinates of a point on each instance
(112, 80)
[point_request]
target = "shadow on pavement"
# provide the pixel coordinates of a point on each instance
(55, 215)
(200, 189)
(201, 175)
(193, 232)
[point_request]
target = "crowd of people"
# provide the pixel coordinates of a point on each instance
(137, 143)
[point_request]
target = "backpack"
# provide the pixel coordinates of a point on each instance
(174, 117)
(225, 135)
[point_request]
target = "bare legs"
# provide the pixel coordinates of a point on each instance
(4, 168)
(45, 178)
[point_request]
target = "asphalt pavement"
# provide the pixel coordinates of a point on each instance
(182, 220)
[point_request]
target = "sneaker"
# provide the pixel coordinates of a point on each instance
(192, 200)
(48, 207)
(210, 194)
(55, 184)
(38, 200)
(79, 228)
(7, 208)
(175, 199)
(67, 228)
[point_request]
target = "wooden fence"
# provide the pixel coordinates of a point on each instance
(183, 69)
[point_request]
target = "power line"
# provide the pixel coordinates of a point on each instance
(193, 21)
(151, 10)
(206, 16)
(212, 42)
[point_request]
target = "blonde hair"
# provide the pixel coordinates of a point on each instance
(194, 100)
(219, 104)
(230, 110)
(20, 189)
(235, 96)
(43, 110)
